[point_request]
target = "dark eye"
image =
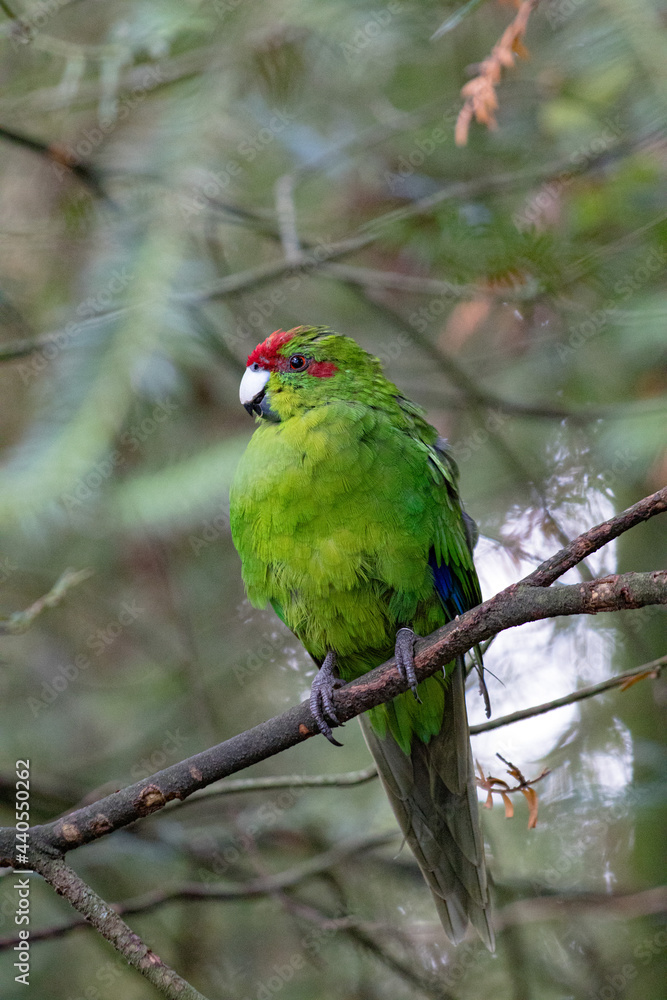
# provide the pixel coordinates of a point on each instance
(297, 363)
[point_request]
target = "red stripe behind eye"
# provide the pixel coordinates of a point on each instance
(322, 369)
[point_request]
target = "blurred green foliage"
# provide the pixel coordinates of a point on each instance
(144, 239)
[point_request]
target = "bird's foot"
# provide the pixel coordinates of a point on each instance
(404, 651)
(321, 702)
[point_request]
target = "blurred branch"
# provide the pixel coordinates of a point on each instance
(624, 680)
(102, 917)
(626, 906)
(457, 374)
(60, 157)
(255, 277)
(180, 67)
(21, 621)
(286, 216)
(425, 983)
(590, 541)
(202, 891)
(526, 601)
(455, 19)
(287, 781)
(368, 277)
(23, 348)
(370, 232)
(360, 934)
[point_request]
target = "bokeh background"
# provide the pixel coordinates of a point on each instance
(177, 180)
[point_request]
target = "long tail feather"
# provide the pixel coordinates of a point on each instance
(434, 797)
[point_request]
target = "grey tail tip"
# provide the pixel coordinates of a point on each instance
(456, 919)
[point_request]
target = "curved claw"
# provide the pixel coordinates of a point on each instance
(321, 702)
(404, 651)
(483, 690)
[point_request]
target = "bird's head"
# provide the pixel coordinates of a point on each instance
(308, 366)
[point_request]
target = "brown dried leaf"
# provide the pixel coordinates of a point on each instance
(509, 808)
(531, 797)
(480, 96)
(463, 125)
(520, 49)
(634, 680)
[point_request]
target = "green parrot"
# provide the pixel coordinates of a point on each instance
(345, 512)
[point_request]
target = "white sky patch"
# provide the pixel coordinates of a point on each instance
(611, 769)
(541, 661)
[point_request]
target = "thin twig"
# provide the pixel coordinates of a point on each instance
(63, 159)
(287, 781)
(286, 216)
(593, 539)
(647, 902)
(651, 669)
(21, 621)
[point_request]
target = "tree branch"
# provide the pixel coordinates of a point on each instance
(552, 907)
(514, 606)
(107, 922)
(287, 781)
(523, 602)
(21, 621)
(593, 539)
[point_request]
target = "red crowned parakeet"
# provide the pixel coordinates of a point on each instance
(346, 515)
